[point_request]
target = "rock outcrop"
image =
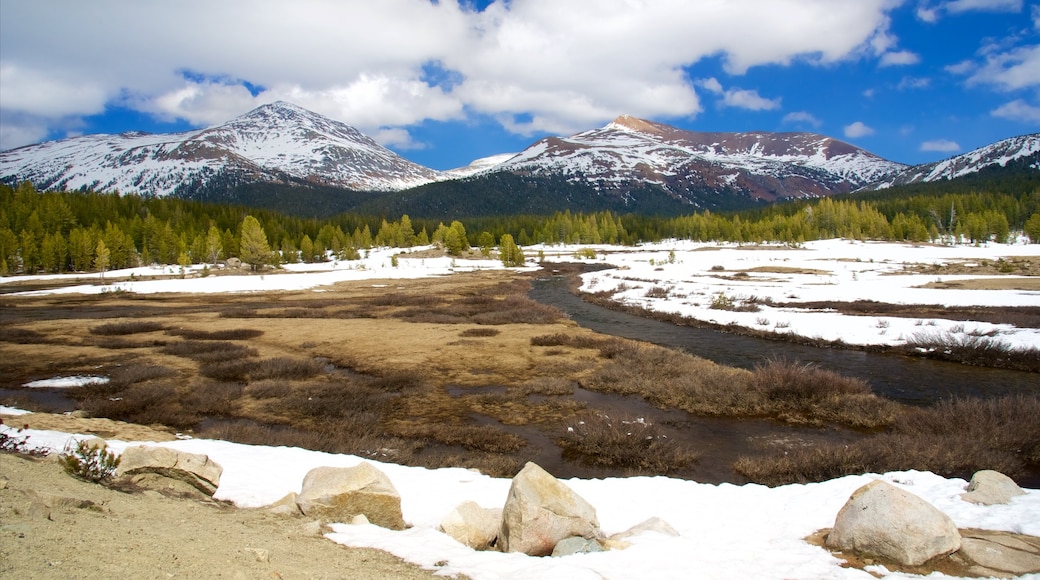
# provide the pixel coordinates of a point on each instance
(882, 520)
(340, 493)
(158, 467)
(473, 526)
(988, 487)
(540, 511)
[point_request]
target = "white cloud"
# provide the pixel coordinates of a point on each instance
(711, 85)
(801, 118)
(397, 138)
(1035, 10)
(1018, 110)
(538, 65)
(1017, 68)
(899, 58)
(940, 145)
(932, 13)
(750, 100)
(857, 129)
(912, 83)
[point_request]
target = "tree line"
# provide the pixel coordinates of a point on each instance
(83, 231)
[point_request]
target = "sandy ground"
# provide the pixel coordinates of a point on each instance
(55, 526)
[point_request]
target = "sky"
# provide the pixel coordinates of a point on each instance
(445, 82)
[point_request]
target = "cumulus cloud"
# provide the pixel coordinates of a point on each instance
(1009, 70)
(535, 65)
(857, 129)
(911, 83)
(940, 145)
(899, 58)
(1018, 110)
(801, 118)
(931, 13)
(750, 100)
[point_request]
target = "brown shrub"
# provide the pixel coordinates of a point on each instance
(1010, 423)
(138, 373)
(210, 351)
(487, 438)
(549, 386)
(21, 335)
(480, 332)
(623, 442)
(127, 327)
(229, 334)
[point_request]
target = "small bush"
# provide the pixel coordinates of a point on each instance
(94, 463)
(128, 327)
(138, 373)
(658, 292)
(623, 442)
(210, 351)
(20, 445)
(480, 332)
(21, 336)
(229, 334)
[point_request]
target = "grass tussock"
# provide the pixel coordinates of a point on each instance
(210, 351)
(17, 335)
(974, 349)
(272, 368)
(952, 439)
(229, 334)
(623, 442)
(486, 438)
(126, 327)
(786, 391)
(480, 332)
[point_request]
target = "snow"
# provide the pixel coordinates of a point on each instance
(725, 531)
(826, 270)
(300, 276)
(66, 382)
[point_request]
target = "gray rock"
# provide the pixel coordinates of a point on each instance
(882, 520)
(1010, 554)
(285, 506)
(473, 526)
(575, 545)
(990, 487)
(540, 511)
(142, 465)
(340, 493)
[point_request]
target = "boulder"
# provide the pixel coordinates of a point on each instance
(884, 521)
(473, 526)
(147, 466)
(575, 545)
(285, 506)
(540, 511)
(1000, 554)
(988, 487)
(340, 493)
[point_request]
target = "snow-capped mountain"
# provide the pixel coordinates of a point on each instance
(999, 153)
(629, 153)
(279, 142)
(481, 165)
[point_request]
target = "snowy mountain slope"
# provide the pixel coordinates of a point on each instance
(478, 166)
(999, 153)
(278, 142)
(629, 152)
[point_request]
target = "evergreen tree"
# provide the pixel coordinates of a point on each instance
(510, 253)
(102, 258)
(253, 247)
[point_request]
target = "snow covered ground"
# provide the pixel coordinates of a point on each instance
(687, 277)
(725, 531)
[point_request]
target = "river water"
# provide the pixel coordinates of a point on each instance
(910, 380)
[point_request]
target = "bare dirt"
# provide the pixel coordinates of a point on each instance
(55, 526)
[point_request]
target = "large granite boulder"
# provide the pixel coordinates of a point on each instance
(882, 520)
(150, 466)
(473, 526)
(340, 493)
(988, 487)
(540, 511)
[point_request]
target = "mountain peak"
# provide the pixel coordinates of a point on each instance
(630, 123)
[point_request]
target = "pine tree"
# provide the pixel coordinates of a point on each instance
(511, 254)
(253, 247)
(102, 258)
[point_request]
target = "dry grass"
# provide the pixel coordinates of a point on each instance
(624, 442)
(229, 334)
(127, 327)
(953, 439)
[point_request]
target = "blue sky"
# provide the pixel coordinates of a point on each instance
(445, 82)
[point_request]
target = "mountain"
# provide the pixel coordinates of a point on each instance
(283, 157)
(701, 168)
(275, 143)
(1016, 150)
